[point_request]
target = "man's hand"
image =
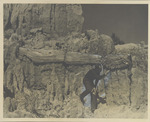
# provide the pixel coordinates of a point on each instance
(94, 91)
(107, 72)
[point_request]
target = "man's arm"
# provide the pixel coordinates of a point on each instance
(96, 82)
(102, 76)
(99, 77)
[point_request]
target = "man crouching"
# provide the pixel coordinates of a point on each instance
(88, 81)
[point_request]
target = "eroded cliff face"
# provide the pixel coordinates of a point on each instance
(51, 90)
(58, 19)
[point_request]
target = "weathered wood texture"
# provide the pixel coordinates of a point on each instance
(111, 62)
(114, 62)
(49, 56)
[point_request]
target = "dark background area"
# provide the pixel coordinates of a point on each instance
(128, 22)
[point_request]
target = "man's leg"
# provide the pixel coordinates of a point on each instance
(88, 86)
(94, 101)
(86, 92)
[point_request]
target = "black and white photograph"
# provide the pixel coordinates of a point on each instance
(63, 60)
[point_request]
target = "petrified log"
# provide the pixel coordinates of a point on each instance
(57, 56)
(82, 58)
(43, 56)
(110, 62)
(114, 62)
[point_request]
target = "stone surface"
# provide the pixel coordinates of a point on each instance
(52, 18)
(51, 90)
(126, 48)
(90, 42)
(56, 86)
(138, 52)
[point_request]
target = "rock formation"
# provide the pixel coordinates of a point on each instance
(51, 90)
(58, 19)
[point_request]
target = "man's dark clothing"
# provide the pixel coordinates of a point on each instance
(93, 74)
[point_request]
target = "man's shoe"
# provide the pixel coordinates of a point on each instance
(82, 100)
(92, 110)
(102, 100)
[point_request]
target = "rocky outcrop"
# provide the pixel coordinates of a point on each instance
(138, 52)
(51, 89)
(90, 42)
(45, 87)
(126, 48)
(52, 18)
(117, 96)
(99, 44)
